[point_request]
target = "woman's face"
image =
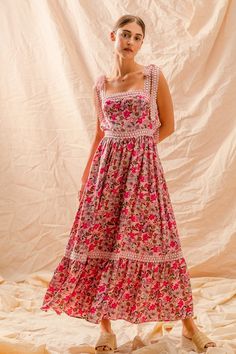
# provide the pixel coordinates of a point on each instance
(128, 36)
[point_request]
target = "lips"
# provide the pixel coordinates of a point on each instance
(128, 49)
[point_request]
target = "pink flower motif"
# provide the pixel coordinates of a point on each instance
(126, 195)
(127, 114)
(175, 286)
(156, 248)
(152, 307)
(141, 195)
(129, 281)
(133, 169)
(151, 216)
(130, 146)
(115, 190)
(96, 226)
(113, 116)
(61, 268)
(114, 305)
(145, 237)
(170, 224)
(73, 280)
(181, 303)
(172, 244)
(133, 308)
(101, 288)
(175, 265)
(139, 226)
(133, 217)
(103, 169)
(85, 225)
(153, 196)
(134, 153)
(93, 310)
(142, 178)
(131, 235)
(168, 298)
(127, 296)
(88, 199)
(91, 247)
(140, 120)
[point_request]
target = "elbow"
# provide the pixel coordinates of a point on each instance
(170, 130)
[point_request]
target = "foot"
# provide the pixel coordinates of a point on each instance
(189, 334)
(105, 347)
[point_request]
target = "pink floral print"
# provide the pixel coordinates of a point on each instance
(124, 259)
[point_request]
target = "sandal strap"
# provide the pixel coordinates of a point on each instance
(200, 340)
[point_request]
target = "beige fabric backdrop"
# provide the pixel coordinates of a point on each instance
(51, 53)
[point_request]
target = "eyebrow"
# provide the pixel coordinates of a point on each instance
(130, 32)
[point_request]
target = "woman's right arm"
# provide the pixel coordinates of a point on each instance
(99, 134)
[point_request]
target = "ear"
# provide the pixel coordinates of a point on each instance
(113, 35)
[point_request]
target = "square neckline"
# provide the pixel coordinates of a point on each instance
(128, 92)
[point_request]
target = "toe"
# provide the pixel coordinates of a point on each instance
(211, 344)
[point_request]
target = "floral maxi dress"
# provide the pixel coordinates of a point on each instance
(123, 259)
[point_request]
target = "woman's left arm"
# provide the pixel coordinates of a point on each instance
(165, 108)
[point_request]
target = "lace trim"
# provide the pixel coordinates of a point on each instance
(129, 134)
(82, 257)
(154, 108)
(98, 101)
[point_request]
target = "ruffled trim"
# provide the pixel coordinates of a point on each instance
(120, 289)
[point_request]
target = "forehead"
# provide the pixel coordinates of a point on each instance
(132, 28)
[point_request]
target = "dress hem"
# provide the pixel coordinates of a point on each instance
(114, 318)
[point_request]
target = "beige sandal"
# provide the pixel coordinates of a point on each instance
(197, 343)
(108, 340)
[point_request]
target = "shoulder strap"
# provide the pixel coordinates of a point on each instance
(155, 71)
(98, 86)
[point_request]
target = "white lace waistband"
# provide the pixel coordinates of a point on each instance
(128, 134)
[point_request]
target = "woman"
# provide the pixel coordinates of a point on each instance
(124, 258)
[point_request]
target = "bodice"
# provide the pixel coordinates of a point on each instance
(134, 111)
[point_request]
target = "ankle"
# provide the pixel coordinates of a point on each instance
(189, 331)
(106, 330)
(105, 326)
